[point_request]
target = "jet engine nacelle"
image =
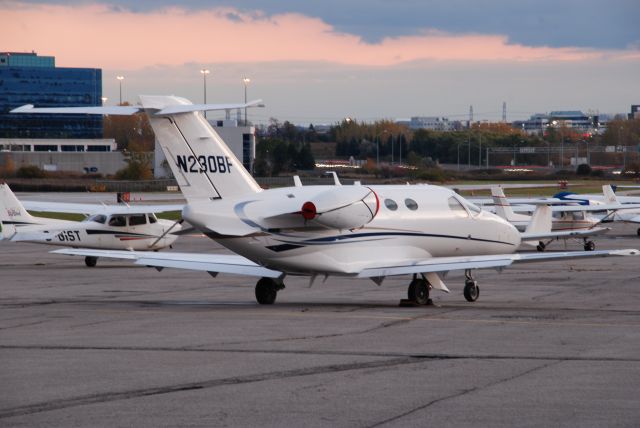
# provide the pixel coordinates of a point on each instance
(342, 207)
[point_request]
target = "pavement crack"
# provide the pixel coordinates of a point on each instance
(213, 383)
(464, 392)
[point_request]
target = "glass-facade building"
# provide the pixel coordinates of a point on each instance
(26, 78)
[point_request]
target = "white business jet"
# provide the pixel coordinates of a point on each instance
(354, 231)
(113, 227)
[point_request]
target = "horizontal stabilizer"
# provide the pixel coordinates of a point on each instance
(112, 110)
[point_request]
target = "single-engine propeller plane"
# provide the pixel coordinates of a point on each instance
(354, 231)
(107, 227)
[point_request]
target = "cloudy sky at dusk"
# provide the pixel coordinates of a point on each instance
(319, 61)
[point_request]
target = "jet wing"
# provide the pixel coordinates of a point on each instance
(212, 263)
(235, 264)
(90, 209)
(445, 264)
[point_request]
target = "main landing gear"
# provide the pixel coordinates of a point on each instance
(418, 291)
(267, 290)
(589, 245)
(471, 289)
(91, 261)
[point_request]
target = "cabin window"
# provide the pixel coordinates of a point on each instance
(456, 207)
(390, 204)
(152, 218)
(137, 219)
(411, 204)
(117, 221)
(578, 215)
(98, 218)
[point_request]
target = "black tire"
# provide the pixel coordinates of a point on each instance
(91, 261)
(589, 246)
(471, 291)
(418, 292)
(638, 231)
(266, 291)
(541, 246)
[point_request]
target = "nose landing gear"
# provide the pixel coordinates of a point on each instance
(471, 290)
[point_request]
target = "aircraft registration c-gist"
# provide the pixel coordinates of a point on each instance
(351, 231)
(106, 227)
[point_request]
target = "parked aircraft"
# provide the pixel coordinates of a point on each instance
(355, 231)
(107, 227)
(627, 215)
(574, 221)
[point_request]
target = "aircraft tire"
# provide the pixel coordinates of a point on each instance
(589, 246)
(638, 231)
(471, 291)
(541, 247)
(91, 261)
(418, 292)
(266, 291)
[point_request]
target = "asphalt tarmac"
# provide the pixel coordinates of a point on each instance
(548, 344)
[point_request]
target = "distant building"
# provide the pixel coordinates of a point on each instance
(573, 119)
(57, 145)
(635, 112)
(26, 78)
(429, 122)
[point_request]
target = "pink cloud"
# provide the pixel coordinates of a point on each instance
(99, 35)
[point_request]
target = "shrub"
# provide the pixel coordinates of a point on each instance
(30, 171)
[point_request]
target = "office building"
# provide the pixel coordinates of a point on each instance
(26, 78)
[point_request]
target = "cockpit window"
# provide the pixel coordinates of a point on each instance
(456, 207)
(152, 218)
(137, 219)
(98, 218)
(472, 207)
(117, 221)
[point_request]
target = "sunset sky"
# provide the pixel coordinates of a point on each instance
(321, 61)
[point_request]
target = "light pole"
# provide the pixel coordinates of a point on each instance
(120, 79)
(469, 151)
(391, 149)
(246, 82)
(204, 73)
(378, 147)
(480, 150)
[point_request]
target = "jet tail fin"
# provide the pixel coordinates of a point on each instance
(201, 162)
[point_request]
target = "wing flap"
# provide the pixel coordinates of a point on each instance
(225, 263)
(445, 264)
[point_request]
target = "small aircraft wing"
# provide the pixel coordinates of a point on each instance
(576, 233)
(90, 209)
(445, 264)
(212, 263)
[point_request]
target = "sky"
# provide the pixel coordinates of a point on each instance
(322, 61)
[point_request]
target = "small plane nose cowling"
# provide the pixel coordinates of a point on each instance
(352, 209)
